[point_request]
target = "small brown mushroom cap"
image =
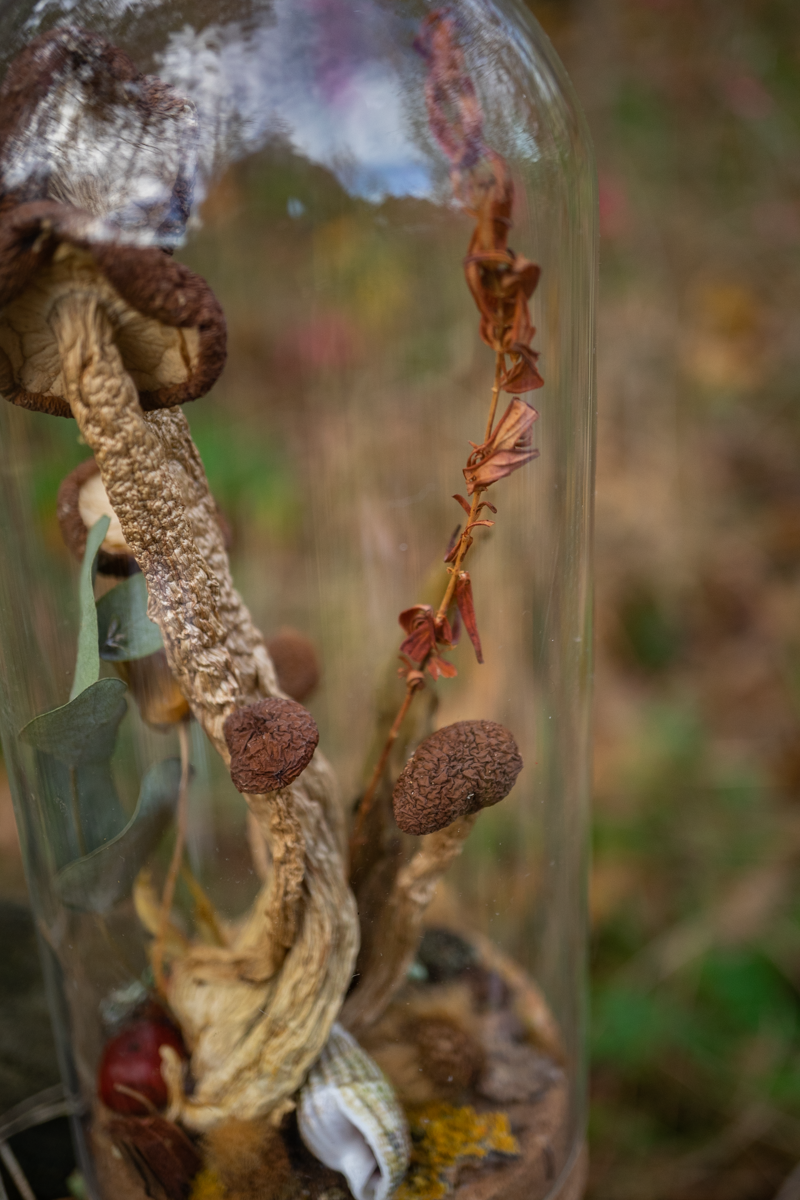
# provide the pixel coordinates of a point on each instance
(271, 743)
(82, 500)
(169, 326)
(295, 661)
(456, 771)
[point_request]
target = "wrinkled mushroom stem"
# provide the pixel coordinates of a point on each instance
(257, 1013)
(401, 924)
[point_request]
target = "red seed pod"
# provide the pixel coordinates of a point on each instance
(131, 1063)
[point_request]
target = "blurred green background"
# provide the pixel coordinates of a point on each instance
(694, 107)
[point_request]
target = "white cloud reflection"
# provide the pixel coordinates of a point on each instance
(251, 86)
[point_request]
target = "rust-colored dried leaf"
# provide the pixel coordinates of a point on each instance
(271, 743)
(424, 632)
(523, 374)
(508, 449)
(466, 609)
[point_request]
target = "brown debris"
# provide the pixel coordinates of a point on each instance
(271, 743)
(456, 771)
(249, 1158)
(296, 663)
(449, 1055)
(159, 1152)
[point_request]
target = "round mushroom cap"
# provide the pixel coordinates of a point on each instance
(456, 771)
(168, 325)
(80, 124)
(295, 661)
(271, 743)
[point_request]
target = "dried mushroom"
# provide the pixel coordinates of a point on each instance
(456, 771)
(296, 662)
(59, 278)
(271, 743)
(82, 500)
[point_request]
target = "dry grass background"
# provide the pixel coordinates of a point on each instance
(694, 107)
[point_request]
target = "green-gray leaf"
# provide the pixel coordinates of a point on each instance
(125, 631)
(99, 880)
(83, 731)
(87, 666)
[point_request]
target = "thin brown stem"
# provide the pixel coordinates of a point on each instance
(175, 863)
(498, 373)
(463, 546)
(358, 836)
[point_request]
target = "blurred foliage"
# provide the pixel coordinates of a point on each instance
(695, 113)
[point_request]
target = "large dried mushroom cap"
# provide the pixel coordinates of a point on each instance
(456, 771)
(271, 743)
(80, 124)
(168, 325)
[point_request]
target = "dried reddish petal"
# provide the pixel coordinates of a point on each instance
(436, 666)
(523, 375)
(457, 770)
(466, 608)
(271, 743)
(418, 622)
(508, 449)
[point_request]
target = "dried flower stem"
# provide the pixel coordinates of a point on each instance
(359, 829)
(168, 894)
(415, 681)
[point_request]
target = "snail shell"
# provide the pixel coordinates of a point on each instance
(350, 1119)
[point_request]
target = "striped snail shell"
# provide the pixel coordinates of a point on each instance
(350, 1119)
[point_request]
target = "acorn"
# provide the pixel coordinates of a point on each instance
(131, 1063)
(456, 771)
(271, 743)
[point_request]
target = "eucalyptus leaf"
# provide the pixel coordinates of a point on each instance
(125, 631)
(73, 768)
(87, 666)
(99, 880)
(85, 729)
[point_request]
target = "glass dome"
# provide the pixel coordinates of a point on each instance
(278, 282)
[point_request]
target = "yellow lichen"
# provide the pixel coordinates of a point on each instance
(442, 1138)
(207, 1186)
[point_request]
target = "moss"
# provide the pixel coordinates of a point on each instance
(444, 1137)
(207, 1186)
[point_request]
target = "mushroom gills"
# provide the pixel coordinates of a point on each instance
(350, 1119)
(155, 354)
